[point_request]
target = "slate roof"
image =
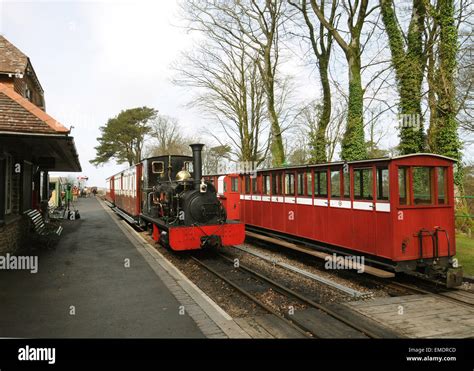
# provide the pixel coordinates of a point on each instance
(12, 59)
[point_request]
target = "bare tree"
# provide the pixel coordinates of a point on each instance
(321, 44)
(353, 144)
(166, 137)
(256, 25)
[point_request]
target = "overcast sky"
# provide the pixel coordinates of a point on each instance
(94, 59)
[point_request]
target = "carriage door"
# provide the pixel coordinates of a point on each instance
(364, 209)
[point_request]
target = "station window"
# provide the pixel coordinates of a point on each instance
(309, 184)
(335, 183)
(290, 184)
(234, 183)
(442, 185)
(157, 167)
(403, 186)
(422, 186)
(321, 183)
(382, 184)
(300, 184)
(266, 184)
(363, 184)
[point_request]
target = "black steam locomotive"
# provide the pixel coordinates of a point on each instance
(168, 196)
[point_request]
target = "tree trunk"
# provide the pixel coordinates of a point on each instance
(320, 143)
(409, 68)
(353, 142)
(278, 152)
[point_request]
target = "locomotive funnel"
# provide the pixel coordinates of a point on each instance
(197, 163)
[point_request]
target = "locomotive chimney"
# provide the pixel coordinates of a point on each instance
(197, 163)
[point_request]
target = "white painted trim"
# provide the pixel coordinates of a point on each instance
(320, 202)
(266, 198)
(342, 204)
(256, 198)
(220, 185)
(277, 199)
(248, 197)
(382, 206)
(241, 197)
(289, 200)
(304, 201)
(359, 205)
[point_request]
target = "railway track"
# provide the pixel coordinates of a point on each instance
(454, 295)
(252, 284)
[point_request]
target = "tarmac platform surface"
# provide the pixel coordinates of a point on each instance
(83, 288)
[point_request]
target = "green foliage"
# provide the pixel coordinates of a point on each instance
(408, 60)
(122, 137)
(353, 143)
(445, 137)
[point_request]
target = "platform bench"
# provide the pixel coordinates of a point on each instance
(47, 234)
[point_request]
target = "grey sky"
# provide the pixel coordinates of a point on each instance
(97, 58)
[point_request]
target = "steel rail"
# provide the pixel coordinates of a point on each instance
(284, 317)
(285, 290)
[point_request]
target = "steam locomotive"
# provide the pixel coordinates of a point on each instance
(168, 196)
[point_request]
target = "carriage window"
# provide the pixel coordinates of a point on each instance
(274, 184)
(234, 184)
(157, 167)
(309, 184)
(382, 184)
(266, 184)
(422, 187)
(403, 186)
(347, 185)
(335, 183)
(247, 184)
(290, 184)
(300, 184)
(321, 183)
(363, 184)
(254, 185)
(277, 186)
(442, 185)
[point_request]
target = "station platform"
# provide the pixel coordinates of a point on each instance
(97, 283)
